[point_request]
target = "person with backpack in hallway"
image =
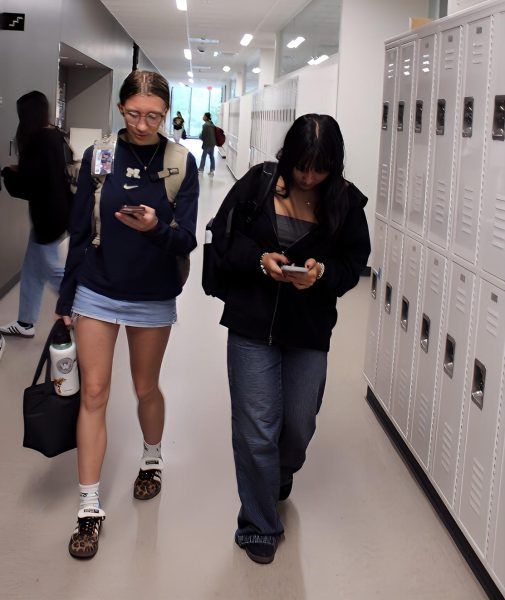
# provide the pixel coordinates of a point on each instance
(291, 248)
(178, 126)
(123, 269)
(41, 178)
(208, 137)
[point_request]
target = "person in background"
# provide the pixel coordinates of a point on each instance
(280, 321)
(128, 276)
(208, 138)
(41, 178)
(178, 126)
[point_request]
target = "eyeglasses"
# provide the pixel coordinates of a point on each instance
(133, 117)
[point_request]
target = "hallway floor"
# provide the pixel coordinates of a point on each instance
(357, 525)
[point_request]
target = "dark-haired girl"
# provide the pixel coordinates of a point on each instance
(280, 321)
(129, 278)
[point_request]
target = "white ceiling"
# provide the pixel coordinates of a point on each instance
(162, 33)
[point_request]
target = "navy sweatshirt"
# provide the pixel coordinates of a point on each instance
(128, 264)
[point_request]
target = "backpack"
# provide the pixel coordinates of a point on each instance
(173, 173)
(220, 136)
(215, 279)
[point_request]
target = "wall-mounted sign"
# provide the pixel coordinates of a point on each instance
(12, 21)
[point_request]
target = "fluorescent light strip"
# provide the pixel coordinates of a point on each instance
(187, 53)
(226, 69)
(256, 70)
(317, 61)
(190, 73)
(294, 43)
(181, 4)
(246, 40)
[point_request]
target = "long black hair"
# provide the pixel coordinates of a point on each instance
(33, 113)
(316, 142)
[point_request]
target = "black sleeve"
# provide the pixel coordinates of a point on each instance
(353, 248)
(80, 234)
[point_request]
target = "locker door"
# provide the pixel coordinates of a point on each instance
(403, 132)
(422, 109)
(374, 314)
(492, 230)
(430, 319)
(389, 310)
(388, 129)
(497, 557)
(446, 137)
(451, 369)
(405, 332)
(472, 125)
(485, 369)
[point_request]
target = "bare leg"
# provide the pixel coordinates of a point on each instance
(147, 347)
(95, 347)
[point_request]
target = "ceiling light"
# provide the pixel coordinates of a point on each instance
(226, 68)
(246, 40)
(294, 43)
(187, 53)
(191, 80)
(202, 40)
(190, 73)
(216, 53)
(256, 70)
(317, 61)
(182, 4)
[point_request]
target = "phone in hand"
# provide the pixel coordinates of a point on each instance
(294, 269)
(128, 209)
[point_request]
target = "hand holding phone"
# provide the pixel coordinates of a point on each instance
(127, 209)
(294, 269)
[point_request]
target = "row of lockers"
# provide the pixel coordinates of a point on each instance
(442, 150)
(435, 360)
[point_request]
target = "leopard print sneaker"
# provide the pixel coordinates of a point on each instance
(148, 483)
(84, 541)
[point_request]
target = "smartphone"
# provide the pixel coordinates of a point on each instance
(127, 209)
(293, 269)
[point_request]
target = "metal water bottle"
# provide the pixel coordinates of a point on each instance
(62, 351)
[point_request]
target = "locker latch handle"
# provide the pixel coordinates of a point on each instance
(425, 333)
(401, 112)
(419, 116)
(499, 118)
(385, 114)
(478, 383)
(404, 319)
(388, 298)
(373, 291)
(450, 352)
(441, 117)
(468, 117)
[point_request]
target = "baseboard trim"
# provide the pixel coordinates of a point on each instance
(6, 287)
(468, 553)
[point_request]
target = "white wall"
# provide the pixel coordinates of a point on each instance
(366, 24)
(457, 5)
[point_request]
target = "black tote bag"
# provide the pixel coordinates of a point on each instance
(50, 421)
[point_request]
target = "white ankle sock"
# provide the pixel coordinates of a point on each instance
(89, 496)
(152, 450)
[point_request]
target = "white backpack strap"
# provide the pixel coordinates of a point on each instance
(174, 168)
(96, 209)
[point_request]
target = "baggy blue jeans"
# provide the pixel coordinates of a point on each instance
(41, 265)
(276, 393)
(210, 153)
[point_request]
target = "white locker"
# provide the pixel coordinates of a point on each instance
(422, 109)
(484, 372)
(376, 291)
(497, 558)
(472, 127)
(405, 332)
(492, 230)
(389, 309)
(388, 126)
(430, 320)
(451, 367)
(403, 132)
(446, 137)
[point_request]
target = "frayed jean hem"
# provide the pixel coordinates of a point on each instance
(243, 539)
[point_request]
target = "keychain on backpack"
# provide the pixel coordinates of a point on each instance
(103, 157)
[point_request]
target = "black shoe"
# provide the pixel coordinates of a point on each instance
(260, 553)
(285, 490)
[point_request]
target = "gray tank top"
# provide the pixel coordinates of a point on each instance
(289, 229)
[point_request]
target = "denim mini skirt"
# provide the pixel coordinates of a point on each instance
(137, 313)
